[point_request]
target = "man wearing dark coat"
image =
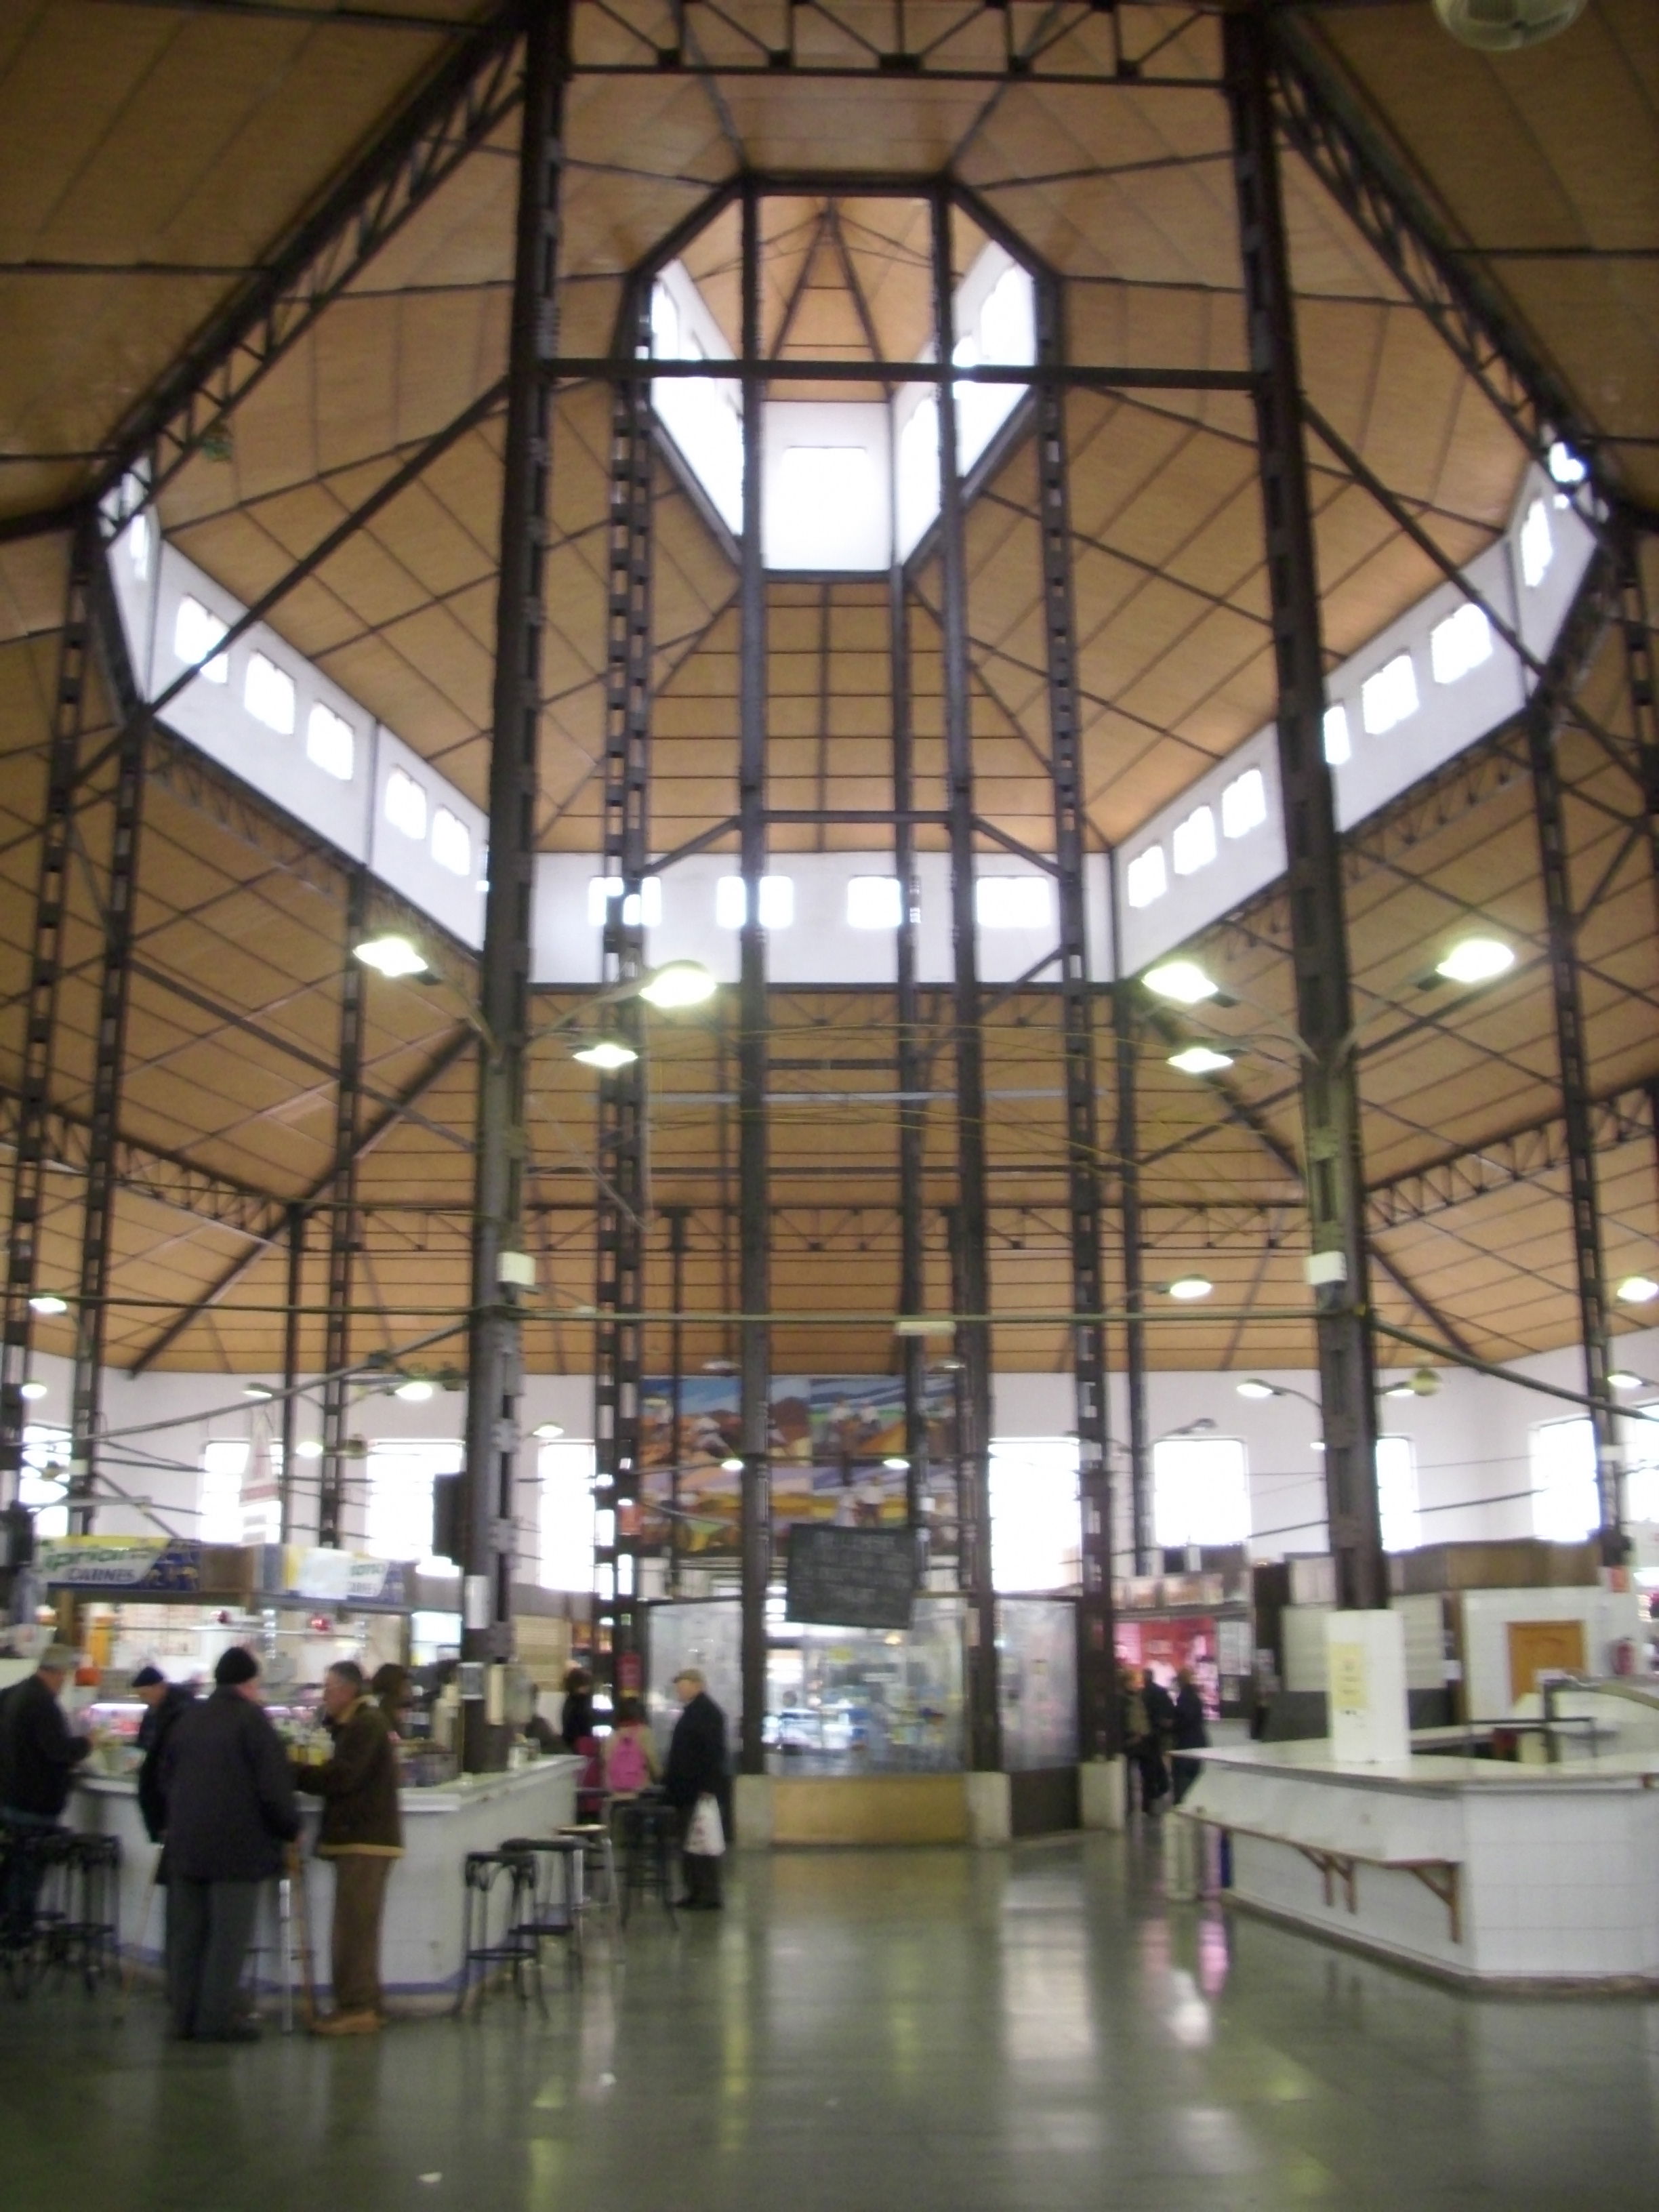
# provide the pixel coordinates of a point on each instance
(38, 1758)
(229, 1809)
(1191, 1732)
(696, 1767)
(165, 1701)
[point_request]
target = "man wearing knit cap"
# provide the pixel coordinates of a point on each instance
(228, 1808)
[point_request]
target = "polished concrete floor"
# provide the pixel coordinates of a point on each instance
(930, 2031)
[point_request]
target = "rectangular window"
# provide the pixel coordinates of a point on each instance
(138, 538)
(1389, 697)
(1396, 1494)
(195, 634)
(1035, 1531)
(43, 1486)
(777, 902)
(1564, 1506)
(874, 902)
(1537, 546)
(1145, 878)
(643, 910)
(1193, 845)
(1460, 643)
(1245, 804)
(397, 1524)
(1013, 902)
(451, 847)
(1201, 1492)
(330, 743)
(1338, 746)
(224, 1463)
(566, 1515)
(405, 804)
(268, 694)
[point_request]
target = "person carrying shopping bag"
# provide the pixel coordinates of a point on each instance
(697, 1783)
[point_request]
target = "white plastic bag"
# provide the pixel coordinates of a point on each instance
(706, 1838)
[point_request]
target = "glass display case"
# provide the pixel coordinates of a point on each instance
(838, 1700)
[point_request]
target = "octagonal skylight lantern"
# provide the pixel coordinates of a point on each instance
(846, 484)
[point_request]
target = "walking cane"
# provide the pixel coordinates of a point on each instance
(131, 1973)
(303, 1913)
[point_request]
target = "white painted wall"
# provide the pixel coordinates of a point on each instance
(1472, 1440)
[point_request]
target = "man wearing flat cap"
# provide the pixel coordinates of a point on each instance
(38, 1758)
(229, 1809)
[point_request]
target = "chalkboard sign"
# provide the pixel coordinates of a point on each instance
(852, 1577)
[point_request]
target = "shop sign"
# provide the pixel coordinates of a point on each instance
(341, 1578)
(171, 1564)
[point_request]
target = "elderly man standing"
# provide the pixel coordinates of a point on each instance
(697, 1768)
(362, 1833)
(228, 1808)
(164, 1702)
(38, 1758)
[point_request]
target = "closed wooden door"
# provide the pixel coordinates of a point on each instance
(1543, 1647)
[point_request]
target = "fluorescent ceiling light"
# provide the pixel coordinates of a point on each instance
(48, 1301)
(547, 1431)
(310, 1448)
(1476, 960)
(32, 1390)
(1200, 1059)
(393, 956)
(1638, 1290)
(1183, 981)
(257, 1391)
(897, 1465)
(923, 1325)
(415, 1391)
(681, 983)
(1622, 1379)
(731, 1465)
(607, 1054)
(1399, 1390)
(1191, 1286)
(1254, 1387)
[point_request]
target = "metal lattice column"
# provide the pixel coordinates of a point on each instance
(343, 1228)
(494, 1351)
(910, 1069)
(1097, 1706)
(109, 1060)
(973, 1226)
(291, 1324)
(1639, 683)
(754, 1270)
(1126, 1032)
(621, 1203)
(1545, 710)
(40, 1007)
(1338, 1267)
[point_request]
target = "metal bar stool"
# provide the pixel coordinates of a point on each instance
(598, 1855)
(541, 1914)
(481, 1872)
(650, 1836)
(34, 1885)
(89, 1934)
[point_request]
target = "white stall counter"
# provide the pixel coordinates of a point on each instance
(421, 1947)
(1480, 1869)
